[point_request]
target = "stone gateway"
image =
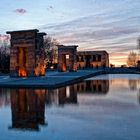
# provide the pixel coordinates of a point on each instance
(67, 58)
(27, 53)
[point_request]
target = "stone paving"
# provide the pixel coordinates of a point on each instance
(51, 80)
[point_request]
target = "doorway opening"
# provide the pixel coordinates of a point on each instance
(22, 62)
(65, 62)
(88, 57)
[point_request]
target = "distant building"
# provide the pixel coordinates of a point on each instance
(92, 59)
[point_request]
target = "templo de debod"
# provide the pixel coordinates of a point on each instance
(92, 59)
(67, 58)
(27, 53)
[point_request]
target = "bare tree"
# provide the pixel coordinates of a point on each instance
(132, 59)
(138, 47)
(4, 56)
(51, 50)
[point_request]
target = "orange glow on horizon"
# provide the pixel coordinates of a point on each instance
(118, 58)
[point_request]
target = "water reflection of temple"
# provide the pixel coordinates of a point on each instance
(65, 95)
(93, 86)
(134, 84)
(68, 94)
(138, 94)
(61, 96)
(28, 108)
(4, 97)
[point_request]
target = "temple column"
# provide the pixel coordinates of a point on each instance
(13, 62)
(84, 57)
(31, 62)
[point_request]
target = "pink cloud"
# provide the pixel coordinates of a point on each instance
(4, 37)
(20, 11)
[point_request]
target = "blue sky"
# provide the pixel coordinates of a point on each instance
(112, 25)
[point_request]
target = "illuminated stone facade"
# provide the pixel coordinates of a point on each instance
(92, 59)
(27, 53)
(67, 58)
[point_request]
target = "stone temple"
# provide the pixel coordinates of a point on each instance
(27, 53)
(67, 58)
(92, 59)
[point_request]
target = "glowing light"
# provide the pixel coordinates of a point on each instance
(40, 70)
(75, 67)
(64, 67)
(22, 72)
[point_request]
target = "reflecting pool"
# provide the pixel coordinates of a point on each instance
(99, 108)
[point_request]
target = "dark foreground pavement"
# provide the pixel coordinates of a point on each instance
(51, 80)
(54, 79)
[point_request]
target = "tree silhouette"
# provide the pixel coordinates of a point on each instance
(132, 59)
(51, 51)
(138, 47)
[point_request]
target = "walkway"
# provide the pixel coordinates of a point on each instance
(51, 80)
(54, 79)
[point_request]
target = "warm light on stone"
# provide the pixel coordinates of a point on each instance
(92, 59)
(27, 53)
(67, 58)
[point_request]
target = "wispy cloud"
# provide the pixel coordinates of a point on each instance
(98, 32)
(92, 24)
(20, 11)
(4, 37)
(49, 8)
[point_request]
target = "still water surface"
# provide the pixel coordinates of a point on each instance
(100, 108)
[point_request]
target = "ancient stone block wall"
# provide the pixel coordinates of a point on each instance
(33, 42)
(40, 55)
(92, 59)
(72, 62)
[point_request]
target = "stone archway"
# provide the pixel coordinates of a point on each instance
(27, 53)
(67, 58)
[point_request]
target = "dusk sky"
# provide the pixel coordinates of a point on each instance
(111, 25)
